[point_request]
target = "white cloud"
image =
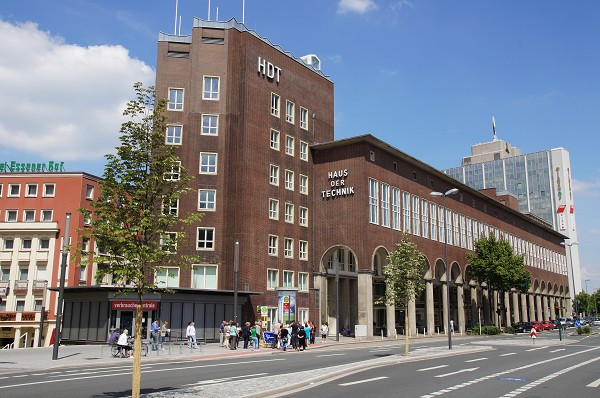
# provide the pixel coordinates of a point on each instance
(358, 6)
(587, 188)
(62, 99)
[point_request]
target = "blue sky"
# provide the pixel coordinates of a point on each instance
(426, 76)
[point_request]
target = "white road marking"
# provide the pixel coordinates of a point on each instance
(475, 381)
(545, 379)
(224, 379)
(594, 383)
(434, 367)
(143, 371)
(328, 355)
(540, 348)
(363, 381)
(476, 359)
(510, 353)
(560, 349)
(457, 372)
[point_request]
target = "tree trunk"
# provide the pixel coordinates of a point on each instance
(406, 331)
(136, 374)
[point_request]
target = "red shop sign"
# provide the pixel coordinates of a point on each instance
(130, 305)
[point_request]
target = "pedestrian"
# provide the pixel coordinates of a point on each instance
(123, 343)
(232, 336)
(190, 333)
(246, 334)
(226, 331)
(237, 336)
(254, 337)
(114, 337)
(452, 326)
(222, 333)
(283, 337)
(307, 333)
(258, 331)
(324, 332)
(276, 330)
(164, 333)
(301, 339)
(154, 334)
(313, 332)
(295, 335)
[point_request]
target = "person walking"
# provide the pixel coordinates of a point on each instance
(154, 334)
(190, 333)
(307, 333)
(324, 332)
(451, 326)
(164, 333)
(301, 339)
(233, 336)
(283, 337)
(254, 337)
(313, 332)
(238, 335)
(276, 330)
(226, 331)
(246, 334)
(295, 328)
(222, 333)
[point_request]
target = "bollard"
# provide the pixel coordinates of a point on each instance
(438, 332)
(381, 334)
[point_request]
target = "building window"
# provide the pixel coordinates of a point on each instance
(303, 216)
(210, 89)
(11, 215)
(469, 234)
(288, 248)
(207, 199)
(9, 244)
(167, 277)
(274, 175)
(85, 245)
(303, 281)
(26, 244)
(449, 226)
(373, 201)
(274, 139)
(31, 190)
(290, 110)
(385, 205)
(303, 118)
(175, 99)
(46, 215)
(433, 220)
(272, 279)
(175, 172)
(273, 209)
(304, 151)
(14, 190)
(289, 180)
(1, 186)
(174, 134)
(168, 242)
(89, 192)
(303, 250)
(289, 213)
(170, 207)
(463, 232)
(206, 239)
(289, 145)
(20, 305)
(204, 277)
(5, 274)
(424, 218)
(288, 278)
(44, 244)
(441, 223)
(24, 273)
(274, 105)
(406, 212)
(28, 215)
(49, 190)
(273, 245)
(210, 125)
(38, 305)
(371, 156)
(396, 209)
(456, 228)
(303, 184)
(415, 213)
(476, 235)
(208, 163)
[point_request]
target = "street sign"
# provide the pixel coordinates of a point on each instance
(264, 310)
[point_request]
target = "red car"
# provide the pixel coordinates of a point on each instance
(537, 325)
(548, 325)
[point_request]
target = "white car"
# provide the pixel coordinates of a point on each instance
(597, 322)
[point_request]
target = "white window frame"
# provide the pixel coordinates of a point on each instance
(274, 174)
(424, 218)
(205, 266)
(303, 216)
(416, 219)
(206, 241)
(469, 233)
(288, 279)
(273, 209)
(207, 93)
(1, 189)
(449, 224)
(385, 205)
(24, 240)
(303, 184)
(303, 118)
(273, 245)
(167, 271)
(289, 180)
(211, 169)
(433, 220)
(442, 224)
(207, 202)
(290, 142)
(172, 244)
(89, 192)
(290, 111)
(8, 213)
(463, 232)
(175, 105)
(303, 282)
(171, 139)
(43, 212)
(289, 213)
(209, 129)
(275, 105)
(10, 189)
(27, 212)
(274, 137)
(406, 212)
(304, 150)
(396, 209)
(49, 195)
(373, 201)
(303, 250)
(175, 172)
(272, 283)
(29, 195)
(41, 246)
(288, 248)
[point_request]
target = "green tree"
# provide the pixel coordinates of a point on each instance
(404, 278)
(131, 220)
(494, 262)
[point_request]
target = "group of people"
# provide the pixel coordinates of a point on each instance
(157, 330)
(230, 334)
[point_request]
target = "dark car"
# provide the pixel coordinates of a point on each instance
(522, 327)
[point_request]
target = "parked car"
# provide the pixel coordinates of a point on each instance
(596, 322)
(548, 325)
(522, 327)
(537, 325)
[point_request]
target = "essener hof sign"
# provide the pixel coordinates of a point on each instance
(337, 185)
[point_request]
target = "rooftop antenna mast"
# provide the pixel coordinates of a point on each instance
(176, 8)
(243, 11)
(494, 128)
(217, 16)
(208, 10)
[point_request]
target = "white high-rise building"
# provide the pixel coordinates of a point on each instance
(541, 181)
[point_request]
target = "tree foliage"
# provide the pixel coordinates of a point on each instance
(131, 221)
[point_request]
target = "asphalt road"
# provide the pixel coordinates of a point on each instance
(509, 371)
(169, 376)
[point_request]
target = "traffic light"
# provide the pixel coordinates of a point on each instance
(556, 310)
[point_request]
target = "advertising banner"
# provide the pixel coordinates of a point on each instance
(286, 305)
(130, 305)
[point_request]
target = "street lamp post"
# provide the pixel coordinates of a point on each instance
(448, 324)
(587, 312)
(572, 274)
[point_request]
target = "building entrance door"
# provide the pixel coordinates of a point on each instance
(126, 320)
